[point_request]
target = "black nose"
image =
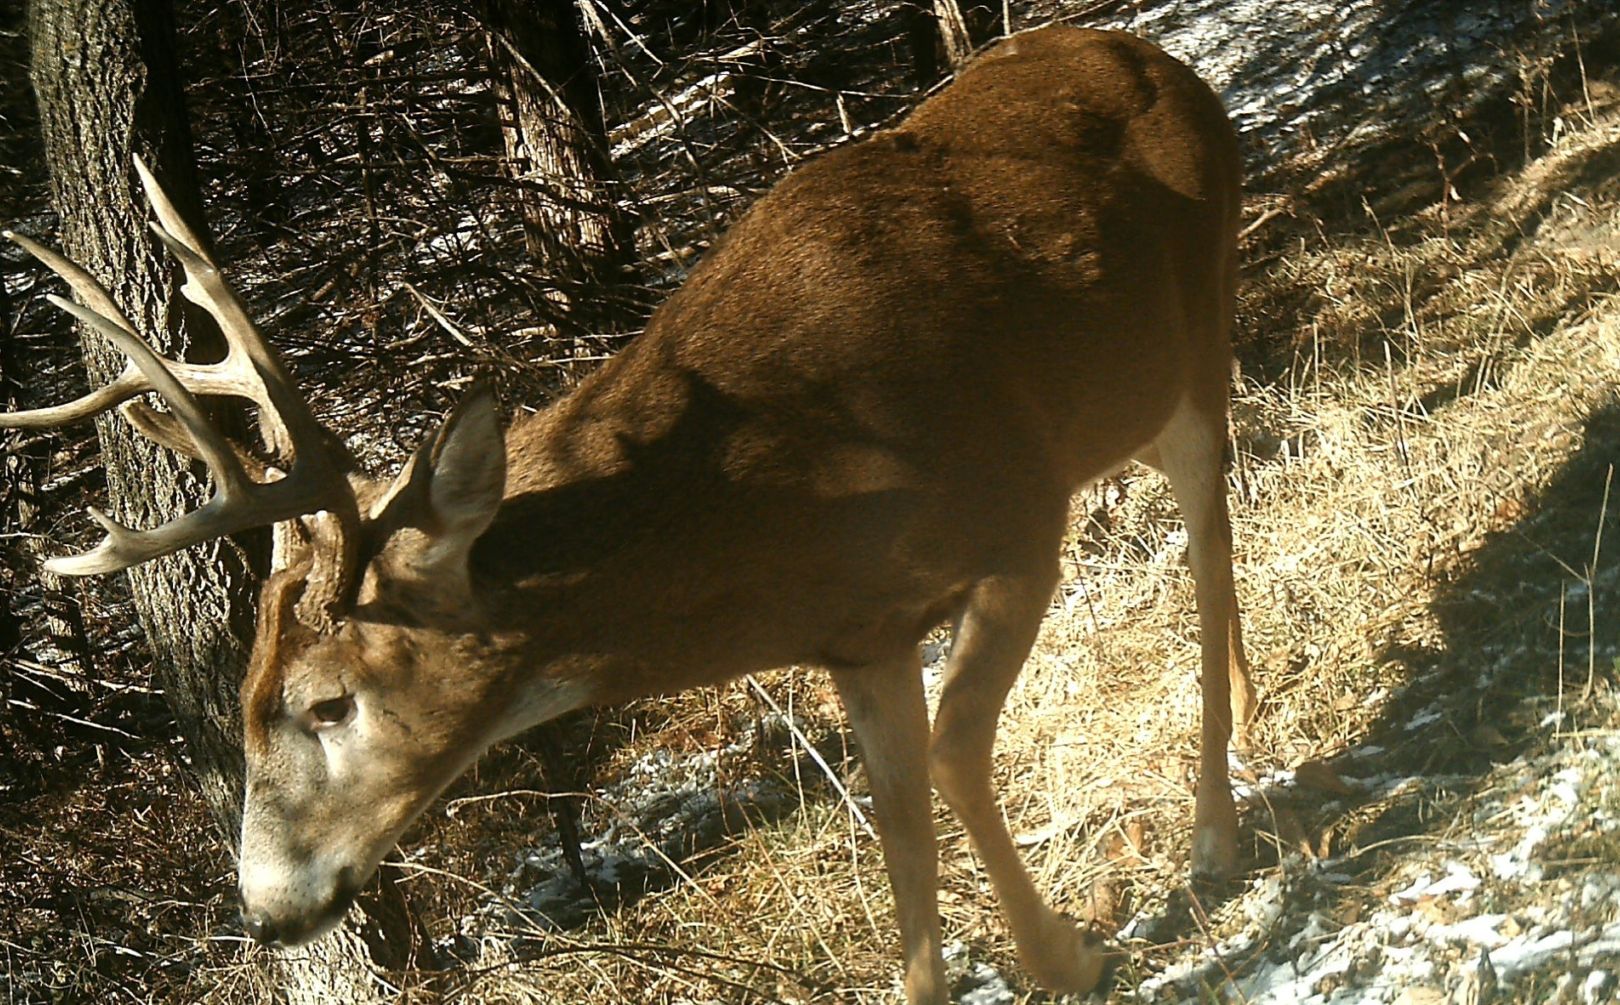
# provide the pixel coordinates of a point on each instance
(262, 929)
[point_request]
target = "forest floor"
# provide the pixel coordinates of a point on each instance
(1425, 432)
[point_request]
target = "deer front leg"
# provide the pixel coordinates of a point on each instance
(885, 705)
(991, 642)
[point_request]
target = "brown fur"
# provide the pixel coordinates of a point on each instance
(772, 438)
(277, 630)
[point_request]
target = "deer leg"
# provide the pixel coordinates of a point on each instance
(886, 707)
(1191, 449)
(991, 642)
(1243, 697)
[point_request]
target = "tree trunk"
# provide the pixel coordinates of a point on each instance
(104, 78)
(107, 88)
(942, 34)
(550, 109)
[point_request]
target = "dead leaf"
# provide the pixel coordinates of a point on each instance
(1320, 776)
(1103, 907)
(1290, 832)
(1136, 834)
(1123, 845)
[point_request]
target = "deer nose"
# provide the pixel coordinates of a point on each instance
(259, 927)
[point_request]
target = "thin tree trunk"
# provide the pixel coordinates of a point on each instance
(107, 88)
(550, 109)
(943, 34)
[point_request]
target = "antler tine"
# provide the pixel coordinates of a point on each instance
(126, 385)
(227, 512)
(233, 375)
(170, 433)
(84, 284)
(314, 461)
(251, 368)
(237, 503)
(214, 449)
(206, 287)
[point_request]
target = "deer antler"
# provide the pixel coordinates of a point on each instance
(251, 369)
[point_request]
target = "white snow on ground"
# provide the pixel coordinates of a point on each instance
(1489, 913)
(1492, 909)
(1272, 72)
(643, 830)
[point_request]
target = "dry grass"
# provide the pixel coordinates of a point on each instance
(1435, 381)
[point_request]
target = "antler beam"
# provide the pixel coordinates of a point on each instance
(251, 369)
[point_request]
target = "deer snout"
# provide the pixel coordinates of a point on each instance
(289, 911)
(293, 930)
(259, 927)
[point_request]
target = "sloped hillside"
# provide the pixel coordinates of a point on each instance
(1427, 416)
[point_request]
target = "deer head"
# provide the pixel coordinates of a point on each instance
(353, 722)
(358, 706)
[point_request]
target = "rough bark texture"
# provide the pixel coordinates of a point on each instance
(103, 76)
(943, 34)
(107, 89)
(550, 109)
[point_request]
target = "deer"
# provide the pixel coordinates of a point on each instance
(862, 416)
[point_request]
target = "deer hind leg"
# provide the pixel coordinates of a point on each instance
(992, 640)
(886, 707)
(1190, 450)
(1243, 697)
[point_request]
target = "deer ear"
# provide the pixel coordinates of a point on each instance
(451, 489)
(468, 467)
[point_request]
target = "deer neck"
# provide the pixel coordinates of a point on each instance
(598, 560)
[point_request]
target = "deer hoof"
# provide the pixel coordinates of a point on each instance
(1214, 853)
(1064, 959)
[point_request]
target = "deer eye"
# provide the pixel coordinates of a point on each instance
(331, 711)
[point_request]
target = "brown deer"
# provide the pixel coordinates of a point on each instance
(863, 415)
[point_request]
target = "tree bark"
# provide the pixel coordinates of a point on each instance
(104, 80)
(943, 34)
(107, 87)
(550, 109)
